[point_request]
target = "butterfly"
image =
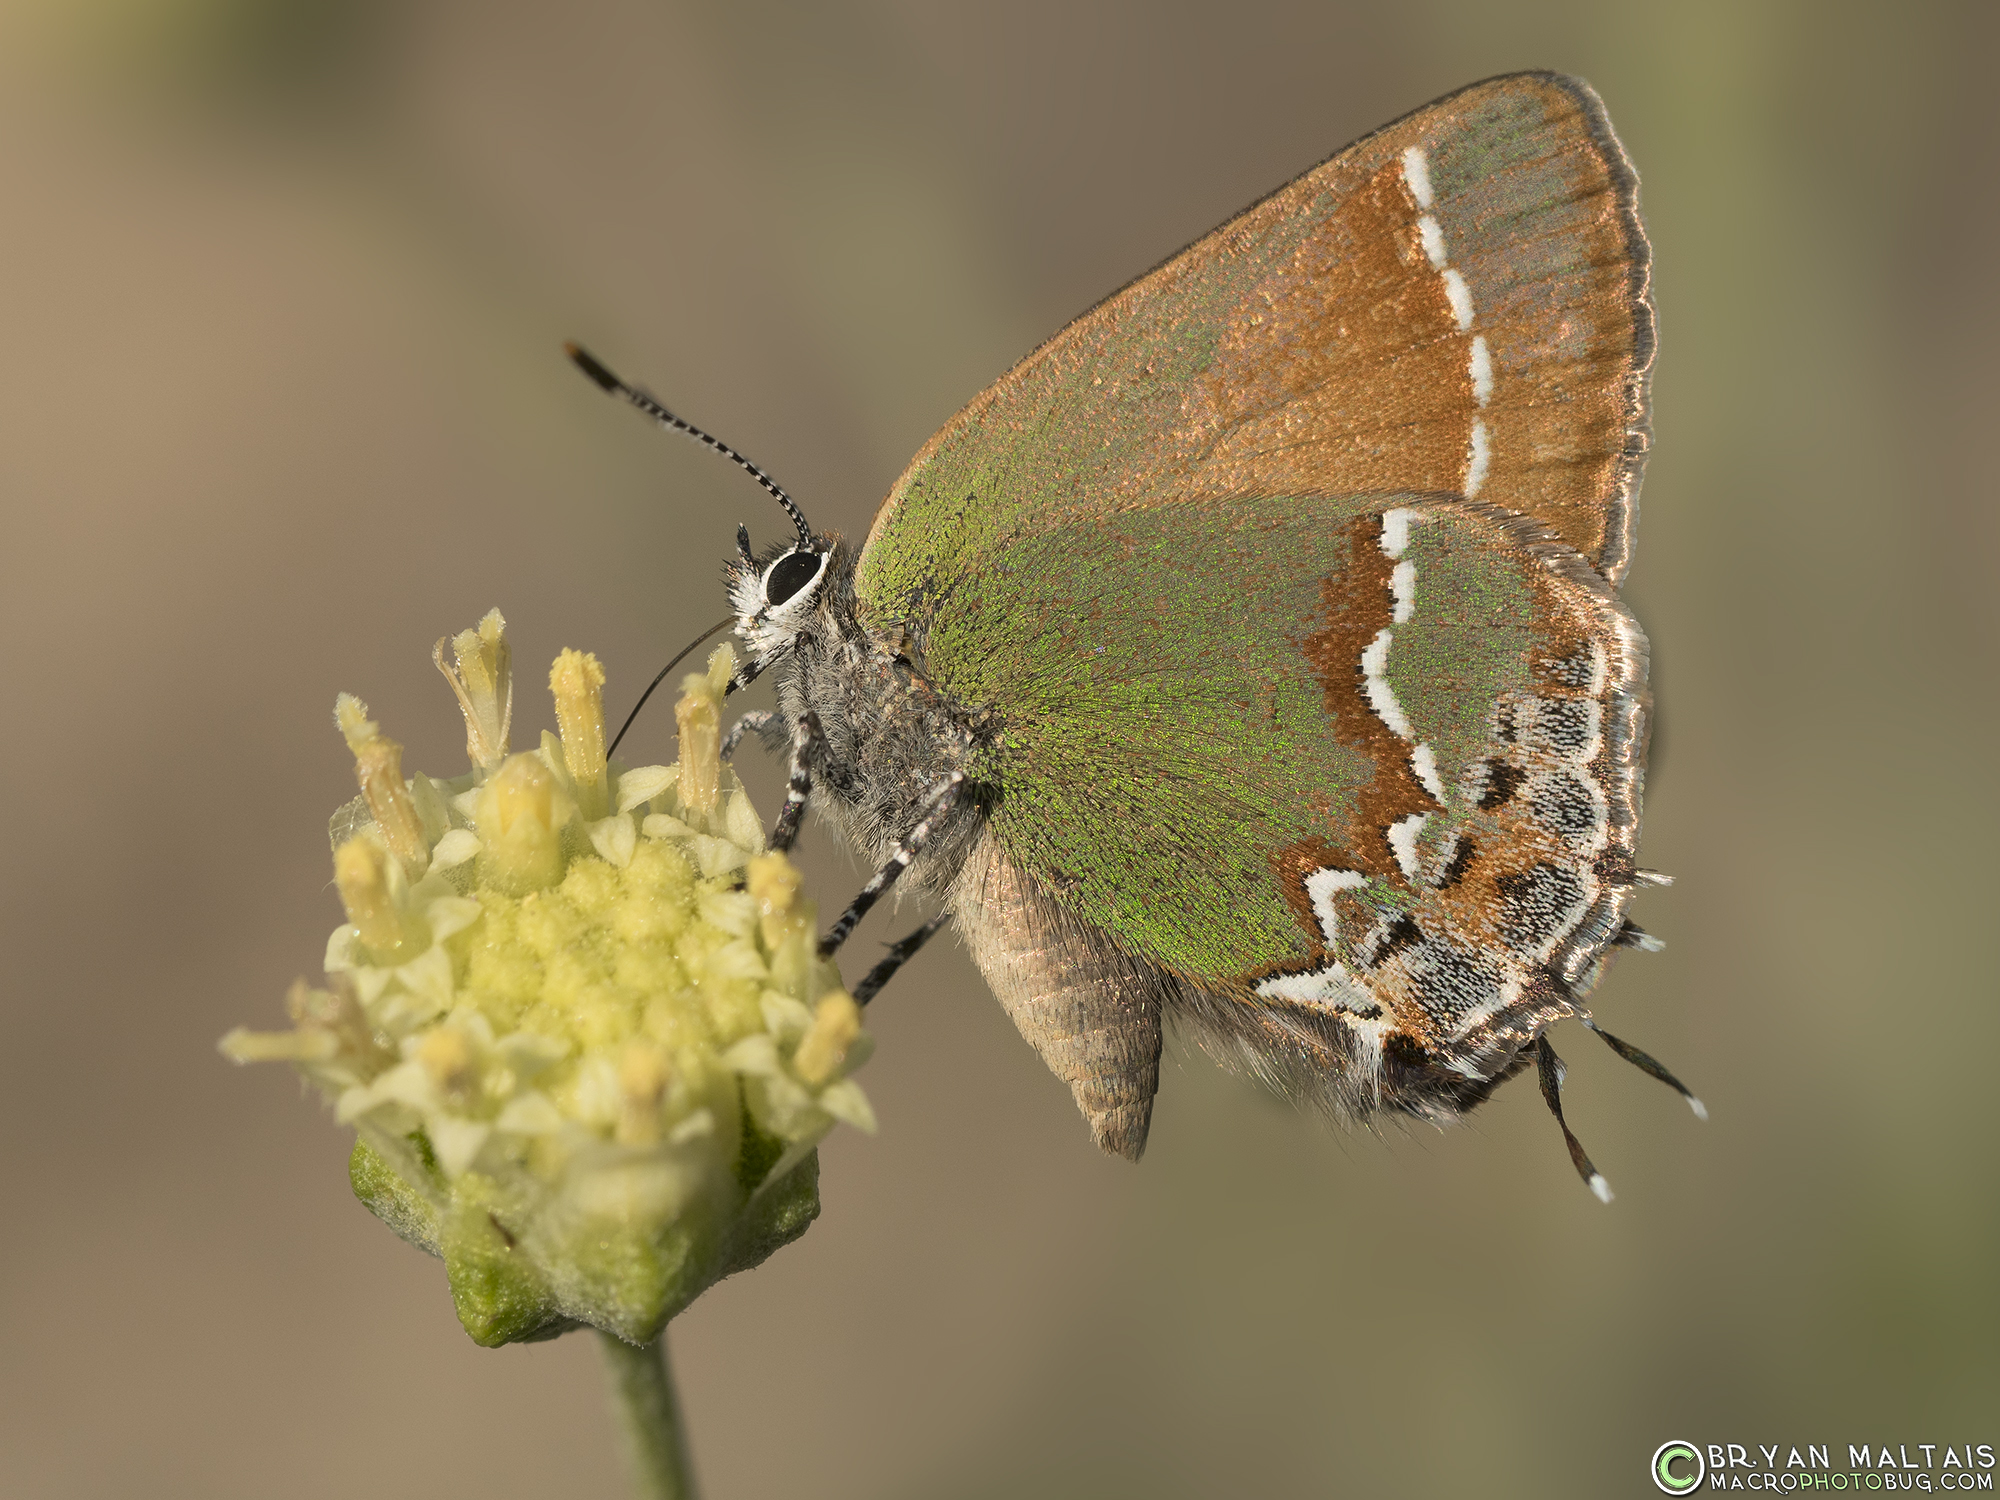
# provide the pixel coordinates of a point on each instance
(1249, 658)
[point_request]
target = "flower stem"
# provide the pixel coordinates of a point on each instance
(654, 1432)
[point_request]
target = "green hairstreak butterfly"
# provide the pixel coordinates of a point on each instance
(1249, 658)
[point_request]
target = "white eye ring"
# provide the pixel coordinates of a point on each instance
(790, 579)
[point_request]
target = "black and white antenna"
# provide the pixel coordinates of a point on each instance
(652, 407)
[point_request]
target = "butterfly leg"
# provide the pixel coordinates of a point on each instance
(806, 739)
(940, 808)
(746, 674)
(900, 954)
(755, 722)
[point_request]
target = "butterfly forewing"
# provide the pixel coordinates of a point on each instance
(1456, 303)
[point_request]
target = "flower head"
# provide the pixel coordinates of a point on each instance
(576, 1015)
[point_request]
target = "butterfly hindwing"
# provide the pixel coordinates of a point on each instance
(1375, 760)
(1508, 683)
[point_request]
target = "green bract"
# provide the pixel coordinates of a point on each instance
(576, 1015)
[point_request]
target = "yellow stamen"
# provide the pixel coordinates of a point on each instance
(773, 881)
(337, 1014)
(446, 1055)
(700, 718)
(245, 1046)
(721, 667)
(577, 681)
(774, 885)
(484, 684)
(378, 766)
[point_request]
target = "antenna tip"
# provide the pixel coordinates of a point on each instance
(1600, 1187)
(587, 363)
(1700, 1109)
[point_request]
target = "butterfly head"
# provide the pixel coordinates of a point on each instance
(776, 596)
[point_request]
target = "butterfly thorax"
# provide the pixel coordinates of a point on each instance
(890, 736)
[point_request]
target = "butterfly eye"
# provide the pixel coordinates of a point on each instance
(789, 574)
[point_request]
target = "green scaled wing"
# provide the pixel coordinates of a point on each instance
(1282, 575)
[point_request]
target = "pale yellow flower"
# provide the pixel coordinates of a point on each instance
(576, 1016)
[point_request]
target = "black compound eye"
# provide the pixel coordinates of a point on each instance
(789, 574)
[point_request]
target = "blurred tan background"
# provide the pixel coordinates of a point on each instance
(283, 285)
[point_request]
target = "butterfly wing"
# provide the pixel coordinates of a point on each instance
(1456, 303)
(1361, 811)
(1352, 785)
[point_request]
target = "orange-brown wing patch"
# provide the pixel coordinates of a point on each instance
(1346, 373)
(1457, 303)
(1357, 606)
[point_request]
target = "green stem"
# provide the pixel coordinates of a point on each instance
(654, 1433)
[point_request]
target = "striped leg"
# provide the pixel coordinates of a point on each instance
(902, 953)
(806, 739)
(940, 808)
(748, 673)
(754, 722)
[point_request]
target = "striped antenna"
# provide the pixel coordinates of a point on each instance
(652, 407)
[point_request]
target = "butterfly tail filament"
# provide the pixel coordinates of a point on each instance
(1550, 1069)
(1645, 1062)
